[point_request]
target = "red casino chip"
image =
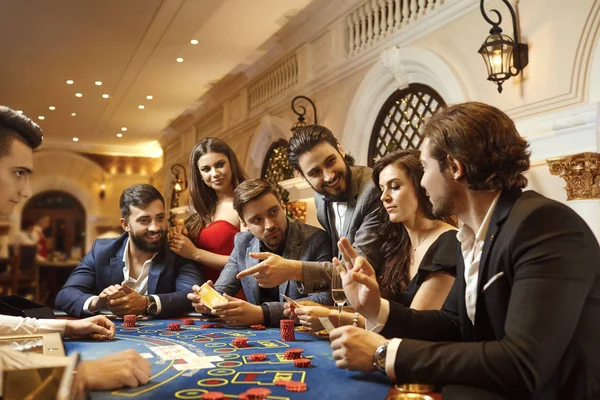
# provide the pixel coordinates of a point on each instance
(243, 396)
(174, 327)
(302, 363)
(129, 320)
(206, 326)
(257, 357)
(187, 321)
(286, 327)
(293, 386)
(257, 393)
(240, 342)
(213, 396)
(292, 354)
(258, 327)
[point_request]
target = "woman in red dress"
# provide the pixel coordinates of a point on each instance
(207, 236)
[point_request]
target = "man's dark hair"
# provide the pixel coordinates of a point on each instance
(15, 126)
(305, 138)
(485, 140)
(250, 190)
(140, 196)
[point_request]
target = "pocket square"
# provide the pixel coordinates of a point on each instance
(492, 280)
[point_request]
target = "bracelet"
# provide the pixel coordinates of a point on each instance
(355, 319)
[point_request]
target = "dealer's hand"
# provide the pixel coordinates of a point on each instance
(273, 270)
(194, 297)
(309, 317)
(131, 303)
(97, 327)
(238, 312)
(123, 369)
(353, 347)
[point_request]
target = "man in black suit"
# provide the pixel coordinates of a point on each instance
(523, 317)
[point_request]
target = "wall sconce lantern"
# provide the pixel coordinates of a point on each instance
(179, 185)
(102, 193)
(503, 56)
(302, 112)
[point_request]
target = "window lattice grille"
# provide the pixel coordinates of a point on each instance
(398, 125)
(276, 166)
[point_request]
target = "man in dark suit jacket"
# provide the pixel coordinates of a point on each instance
(521, 321)
(347, 204)
(134, 273)
(269, 231)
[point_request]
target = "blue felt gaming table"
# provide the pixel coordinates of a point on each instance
(236, 373)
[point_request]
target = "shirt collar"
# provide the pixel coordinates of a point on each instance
(465, 233)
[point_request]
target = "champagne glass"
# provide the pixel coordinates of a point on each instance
(337, 293)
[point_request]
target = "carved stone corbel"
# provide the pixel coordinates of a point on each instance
(390, 59)
(581, 172)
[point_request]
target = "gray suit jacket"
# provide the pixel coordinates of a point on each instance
(303, 242)
(361, 227)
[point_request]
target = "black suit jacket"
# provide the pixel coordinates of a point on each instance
(171, 278)
(537, 327)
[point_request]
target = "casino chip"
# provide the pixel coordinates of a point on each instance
(174, 327)
(129, 320)
(210, 326)
(292, 354)
(257, 357)
(281, 382)
(293, 386)
(258, 327)
(187, 321)
(286, 327)
(257, 393)
(302, 363)
(240, 342)
(213, 396)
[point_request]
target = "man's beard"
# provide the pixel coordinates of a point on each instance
(339, 195)
(143, 245)
(443, 207)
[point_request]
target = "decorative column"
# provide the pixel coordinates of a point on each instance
(581, 172)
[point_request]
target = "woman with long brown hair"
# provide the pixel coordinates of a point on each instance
(419, 250)
(208, 234)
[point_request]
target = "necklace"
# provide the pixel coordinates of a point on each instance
(426, 236)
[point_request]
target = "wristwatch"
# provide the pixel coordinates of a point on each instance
(151, 308)
(379, 357)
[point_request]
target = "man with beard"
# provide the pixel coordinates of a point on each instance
(269, 230)
(135, 273)
(521, 321)
(347, 204)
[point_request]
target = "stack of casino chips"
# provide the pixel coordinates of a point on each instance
(129, 320)
(302, 363)
(187, 321)
(257, 393)
(258, 327)
(292, 354)
(292, 386)
(257, 357)
(174, 327)
(240, 342)
(213, 396)
(286, 326)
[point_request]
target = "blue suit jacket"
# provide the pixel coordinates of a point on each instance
(171, 277)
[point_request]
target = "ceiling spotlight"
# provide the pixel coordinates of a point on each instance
(193, 41)
(51, 108)
(73, 114)
(41, 117)
(106, 96)
(119, 135)
(70, 82)
(20, 111)
(124, 129)
(98, 83)
(76, 139)
(78, 95)
(141, 107)
(179, 59)
(149, 97)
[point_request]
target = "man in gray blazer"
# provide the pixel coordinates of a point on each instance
(270, 232)
(347, 206)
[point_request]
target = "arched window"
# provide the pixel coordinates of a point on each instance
(399, 122)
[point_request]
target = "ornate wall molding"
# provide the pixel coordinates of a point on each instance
(581, 172)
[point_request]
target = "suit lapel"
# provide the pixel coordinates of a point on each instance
(254, 292)
(114, 274)
(156, 267)
(352, 199)
(293, 244)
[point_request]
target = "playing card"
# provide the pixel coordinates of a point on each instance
(210, 297)
(290, 301)
(326, 324)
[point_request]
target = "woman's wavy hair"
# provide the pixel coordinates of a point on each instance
(202, 197)
(395, 272)
(485, 140)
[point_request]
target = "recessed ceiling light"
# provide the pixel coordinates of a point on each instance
(106, 96)
(141, 107)
(20, 111)
(124, 129)
(193, 41)
(149, 97)
(70, 82)
(119, 135)
(98, 83)
(73, 114)
(51, 108)
(41, 117)
(179, 59)
(78, 95)
(76, 139)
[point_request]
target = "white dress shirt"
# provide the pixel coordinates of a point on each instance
(471, 247)
(339, 210)
(140, 284)
(10, 325)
